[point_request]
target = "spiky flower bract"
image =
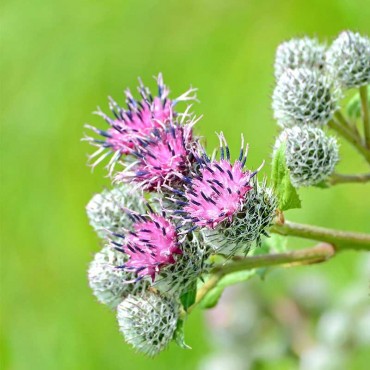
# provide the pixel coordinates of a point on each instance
(304, 96)
(249, 224)
(216, 192)
(148, 322)
(299, 52)
(311, 155)
(168, 154)
(107, 282)
(130, 126)
(150, 246)
(106, 209)
(176, 278)
(348, 59)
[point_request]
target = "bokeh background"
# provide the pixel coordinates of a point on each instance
(59, 60)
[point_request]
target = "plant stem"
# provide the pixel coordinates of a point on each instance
(206, 287)
(320, 253)
(365, 114)
(337, 178)
(351, 138)
(342, 240)
(341, 119)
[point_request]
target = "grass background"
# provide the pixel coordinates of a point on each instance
(59, 60)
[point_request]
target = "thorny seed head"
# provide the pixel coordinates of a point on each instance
(148, 322)
(249, 224)
(176, 278)
(108, 282)
(304, 96)
(311, 155)
(296, 53)
(106, 210)
(348, 59)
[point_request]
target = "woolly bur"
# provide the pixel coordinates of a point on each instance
(249, 224)
(148, 322)
(349, 59)
(106, 210)
(108, 282)
(304, 96)
(311, 155)
(297, 53)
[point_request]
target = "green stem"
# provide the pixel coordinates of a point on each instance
(337, 178)
(341, 119)
(342, 240)
(351, 138)
(365, 114)
(320, 253)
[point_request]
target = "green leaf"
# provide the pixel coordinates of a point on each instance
(188, 298)
(213, 296)
(286, 193)
(275, 244)
(235, 277)
(353, 108)
(323, 184)
(179, 335)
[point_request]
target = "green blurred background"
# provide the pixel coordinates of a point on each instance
(59, 60)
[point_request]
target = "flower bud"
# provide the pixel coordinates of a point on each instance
(106, 210)
(348, 59)
(190, 265)
(296, 53)
(248, 224)
(148, 322)
(311, 156)
(304, 96)
(107, 282)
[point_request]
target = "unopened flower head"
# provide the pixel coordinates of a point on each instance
(311, 155)
(148, 322)
(135, 123)
(348, 59)
(176, 278)
(304, 96)
(106, 209)
(151, 245)
(217, 191)
(299, 52)
(162, 159)
(249, 224)
(107, 282)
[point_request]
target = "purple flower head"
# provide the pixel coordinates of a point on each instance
(151, 246)
(164, 159)
(130, 126)
(218, 191)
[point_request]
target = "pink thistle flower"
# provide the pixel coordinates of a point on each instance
(130, 126)
(151, 246)
(218, 191)
(163, 159)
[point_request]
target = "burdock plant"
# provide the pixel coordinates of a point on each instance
(179, 225)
